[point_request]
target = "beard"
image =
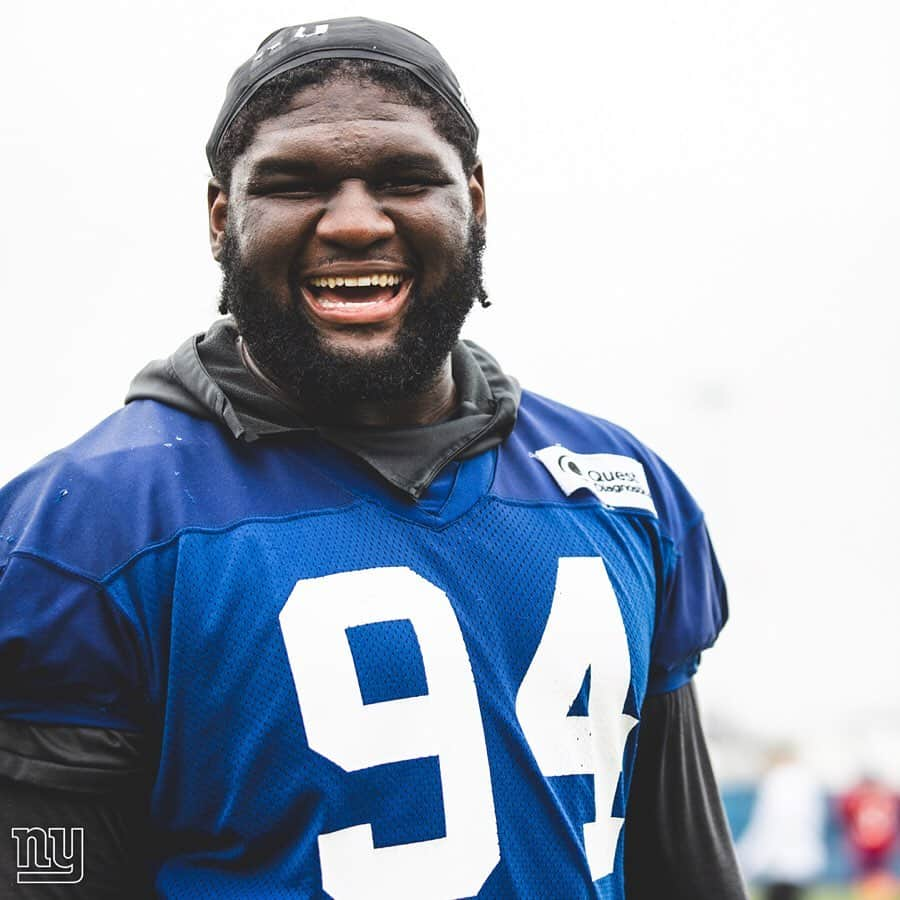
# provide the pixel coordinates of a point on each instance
(325, 379)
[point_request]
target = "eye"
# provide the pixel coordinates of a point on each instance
(288, 190)
(402, 185)
(295, 192)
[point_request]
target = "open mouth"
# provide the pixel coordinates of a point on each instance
(357, 299)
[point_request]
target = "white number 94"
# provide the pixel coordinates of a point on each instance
(584, 629)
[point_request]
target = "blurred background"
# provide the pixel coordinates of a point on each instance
(694, 222)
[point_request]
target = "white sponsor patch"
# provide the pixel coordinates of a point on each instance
(615, 480)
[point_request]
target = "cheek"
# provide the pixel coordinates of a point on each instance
(271, 237)
(437, 229)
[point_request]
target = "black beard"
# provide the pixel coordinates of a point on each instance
(324, 380)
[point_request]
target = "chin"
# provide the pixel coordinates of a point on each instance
(360, 345)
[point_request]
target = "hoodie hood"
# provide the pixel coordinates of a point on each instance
(209, 376)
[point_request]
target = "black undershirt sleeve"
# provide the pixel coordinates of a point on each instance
(96, 779)
(677, 842)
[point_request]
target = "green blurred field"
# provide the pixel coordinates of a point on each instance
(835, 893)
(876, 889)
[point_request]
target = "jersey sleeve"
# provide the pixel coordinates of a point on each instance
(68, 654)
(692, 602)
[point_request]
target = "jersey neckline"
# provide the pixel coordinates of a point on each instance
(470, 482)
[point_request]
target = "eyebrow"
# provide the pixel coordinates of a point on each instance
(416, 161)
(396, 161)
(277, 166)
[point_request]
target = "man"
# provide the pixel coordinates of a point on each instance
(783, 848)
(331, 607)
(870, 815)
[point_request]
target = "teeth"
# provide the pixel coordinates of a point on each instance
(376, 280)
(345, 304)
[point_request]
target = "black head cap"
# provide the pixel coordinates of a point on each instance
(350, 38)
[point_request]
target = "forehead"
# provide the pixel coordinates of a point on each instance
(349, 122)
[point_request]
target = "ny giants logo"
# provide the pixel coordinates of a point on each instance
(49, 855)
(304, 31)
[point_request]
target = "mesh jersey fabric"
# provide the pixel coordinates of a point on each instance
(353, 694)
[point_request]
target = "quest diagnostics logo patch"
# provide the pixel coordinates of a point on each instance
(615, 480)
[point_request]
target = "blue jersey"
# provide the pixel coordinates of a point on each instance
(353, 694)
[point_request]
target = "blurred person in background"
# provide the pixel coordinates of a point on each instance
(783, 848)
(870, 814)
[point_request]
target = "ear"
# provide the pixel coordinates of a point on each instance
(476, 193)
(217, 202)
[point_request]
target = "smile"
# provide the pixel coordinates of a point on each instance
(364, 299)
(361, 281)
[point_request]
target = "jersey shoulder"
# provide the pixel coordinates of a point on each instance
(142, 476)
(557, 454)
(527, 473)
(78, 647)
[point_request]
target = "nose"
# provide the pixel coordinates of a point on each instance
(354, 218)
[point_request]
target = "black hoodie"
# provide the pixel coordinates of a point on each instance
(211, 376)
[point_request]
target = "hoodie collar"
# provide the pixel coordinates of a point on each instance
(208, 376)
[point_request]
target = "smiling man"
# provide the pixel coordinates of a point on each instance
(346, 205)
(332, 608)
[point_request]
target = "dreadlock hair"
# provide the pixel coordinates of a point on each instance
(274, 98)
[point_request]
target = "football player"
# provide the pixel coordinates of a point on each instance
(331, 607)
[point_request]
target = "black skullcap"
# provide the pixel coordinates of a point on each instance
(350, 38)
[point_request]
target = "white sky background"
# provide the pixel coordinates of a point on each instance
(694, 223)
